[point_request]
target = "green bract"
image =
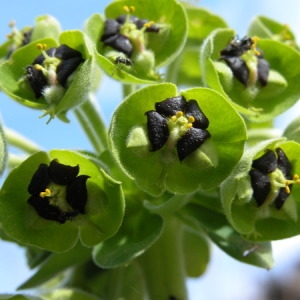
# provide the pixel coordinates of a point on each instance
(265, 27)
(151, 50)
(265, 222)
(202, 169)
(265, 102)
(14, 83)
(103, 211)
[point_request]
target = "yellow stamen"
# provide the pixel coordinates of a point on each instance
(173, 118)
(46, 193)
(191, 119)
(12, 23)
(132, 8)
(296, 179)
(189, 125)
(253, 46)
(38, 67)
(287, 188)
(148, 24)
(126, 8)
(41, 46)
(179, 114)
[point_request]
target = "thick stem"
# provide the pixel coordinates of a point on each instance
(93, 125)
(163, 264)
(128, 89)
(17, 140)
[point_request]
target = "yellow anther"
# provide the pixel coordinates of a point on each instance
(253, 46)
(173, 118)
(132, 8)
(179, 114)
(126, 8)
(189, 125)
(256, 52)
(41, 46)
(38, 67)
(12, 23)
(296, 179)
(191, 119)
(46, 193)
(148, 24)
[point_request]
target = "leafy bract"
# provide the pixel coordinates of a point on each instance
(224, 148)
(139, 230)
(55, 264)
(104, 208)
(226, 237)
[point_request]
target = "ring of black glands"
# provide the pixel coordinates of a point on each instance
(232, 55)
(52, 184)
(69, 59)
(193, 131)
(260, 172)
(113, 37)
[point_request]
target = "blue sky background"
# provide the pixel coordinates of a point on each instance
(225, 278)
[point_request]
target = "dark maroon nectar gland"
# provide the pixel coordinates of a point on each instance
(177, 123)
(58, 193)
(52, 68)
(246, 62)
(271, 178)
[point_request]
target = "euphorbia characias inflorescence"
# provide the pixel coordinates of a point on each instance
(188, 157)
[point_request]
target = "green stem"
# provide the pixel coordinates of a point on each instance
(14, 160)
(17, 140)
(128, 89)
(263, 134)
(163, 264)
(93, 125)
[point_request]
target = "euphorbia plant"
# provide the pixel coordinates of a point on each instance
(189, 156)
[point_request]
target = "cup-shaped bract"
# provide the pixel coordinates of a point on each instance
(32, 79)
(52, 200)
(136, 38)
(196, 153)
(258, 78)
(261, 196)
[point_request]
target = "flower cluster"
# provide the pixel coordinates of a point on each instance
(245, 61)
(52, 69)
(176, 121)
(271, 178)
(126, 33)
(18, 38)
(57, 192)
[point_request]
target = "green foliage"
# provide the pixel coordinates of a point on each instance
(173, 172)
